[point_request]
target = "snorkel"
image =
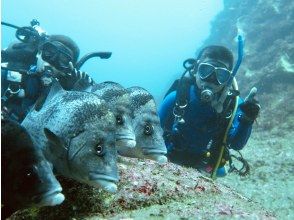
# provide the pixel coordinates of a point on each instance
(85, 58)
(239, 61)
(218, 104)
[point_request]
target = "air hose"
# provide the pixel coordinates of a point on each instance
(224, 141)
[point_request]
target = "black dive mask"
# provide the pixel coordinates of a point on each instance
(56, 54)
(221, 74)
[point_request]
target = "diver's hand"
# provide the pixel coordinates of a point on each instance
(81, 76)
(250, 107)
(80, 80)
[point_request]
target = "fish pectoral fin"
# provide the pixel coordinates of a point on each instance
(56, 143)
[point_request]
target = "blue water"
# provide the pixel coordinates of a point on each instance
(149, 39)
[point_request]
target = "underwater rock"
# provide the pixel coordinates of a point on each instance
(267, 29)
(148, 189)
(76, 132)
(27, 177)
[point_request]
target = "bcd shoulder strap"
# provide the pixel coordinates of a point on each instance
(183, 90)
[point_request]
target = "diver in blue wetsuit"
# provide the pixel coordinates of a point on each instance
(203, 117)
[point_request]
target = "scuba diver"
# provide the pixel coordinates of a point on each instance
(202, 116)
(56, 59)
(32, 65)
(29, 66)
(16, 61)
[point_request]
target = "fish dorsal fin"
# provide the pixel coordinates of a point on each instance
(55, 89)
(81, 86)
(45, 97)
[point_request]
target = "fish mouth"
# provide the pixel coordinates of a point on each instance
(106, 182)
(148, 151)
(50, 198)
(125, 141)
(155, 154)
(133, 153)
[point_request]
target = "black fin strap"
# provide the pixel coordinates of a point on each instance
(244, 170)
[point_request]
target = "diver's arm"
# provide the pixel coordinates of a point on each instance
(240, 130)
(166, 117)
(4, 82)
(32, 86)
(165, 111)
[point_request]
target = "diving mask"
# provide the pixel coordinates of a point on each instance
(57, 55)
(205, 71)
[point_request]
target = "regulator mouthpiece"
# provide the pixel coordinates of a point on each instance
(206, 95)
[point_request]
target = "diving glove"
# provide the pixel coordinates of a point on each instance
(250, 107)
(81, 79)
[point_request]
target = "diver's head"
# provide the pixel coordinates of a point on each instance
(57, 53)
(19, 55)
(213, 71)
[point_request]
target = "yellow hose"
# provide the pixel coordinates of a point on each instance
(224, 142)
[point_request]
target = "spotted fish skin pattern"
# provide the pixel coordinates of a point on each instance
(119, 101)
(76, 131)
(146, 123)
(27, 177)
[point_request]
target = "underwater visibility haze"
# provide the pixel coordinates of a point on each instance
(149, 40)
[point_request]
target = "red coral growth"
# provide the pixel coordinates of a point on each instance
(199, 188)
(147, 188)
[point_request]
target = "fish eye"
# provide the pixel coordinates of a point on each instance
(119, 120)
(30, 176)
(29, 172)
(99, 149)
(148, 129)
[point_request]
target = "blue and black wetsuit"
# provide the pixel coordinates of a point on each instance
(202, 124)
(17, 106)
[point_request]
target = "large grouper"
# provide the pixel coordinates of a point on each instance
(76, 131)
(119, 101)
(27, 177)
(146, 124)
